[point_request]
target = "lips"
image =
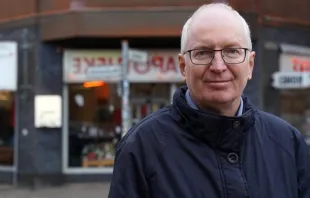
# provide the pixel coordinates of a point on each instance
(218, 81)
(218, 84)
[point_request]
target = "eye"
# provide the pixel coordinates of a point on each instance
(202, 53)
(233, 51)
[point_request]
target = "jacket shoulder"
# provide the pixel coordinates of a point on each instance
(149, 132)
(280, 131)
(272, 119)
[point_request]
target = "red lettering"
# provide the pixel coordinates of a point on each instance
(158, 62)
(102, 61)
(77, 65)
(300, 65)
(295, 66)
(171, 65)
(80, 64)
(90, 61)
(110, 61)
(141, 68)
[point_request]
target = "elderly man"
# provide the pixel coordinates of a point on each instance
(211, 142)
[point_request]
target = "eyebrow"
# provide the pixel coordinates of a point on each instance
(233, 44)
(203, 47)
(211, 46)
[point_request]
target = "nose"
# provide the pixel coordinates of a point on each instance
(218, 65)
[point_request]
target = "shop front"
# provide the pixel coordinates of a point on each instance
(293, 83)
(93, 103)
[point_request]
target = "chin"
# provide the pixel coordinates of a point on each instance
(219, 97)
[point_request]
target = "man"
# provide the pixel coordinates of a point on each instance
(211, 142)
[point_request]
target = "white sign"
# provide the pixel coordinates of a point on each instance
(8, 66)
(294, 63)
(295, 49)
(291, 80)
(137, 56)
(48, 111)
(107, 72)
(161, 66)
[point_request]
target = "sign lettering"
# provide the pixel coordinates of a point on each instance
(301, 65)
(163, 64)
(291, 80)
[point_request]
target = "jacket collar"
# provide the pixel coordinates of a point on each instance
(191, 103)
(220, 132)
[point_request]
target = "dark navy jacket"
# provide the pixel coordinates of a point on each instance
(179, 152)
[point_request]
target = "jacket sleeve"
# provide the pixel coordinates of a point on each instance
(129, 179)
(303, 167)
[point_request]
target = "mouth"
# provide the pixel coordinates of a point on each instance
(218, 84)
(217, 81)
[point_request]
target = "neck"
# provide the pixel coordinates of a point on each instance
(226, 109)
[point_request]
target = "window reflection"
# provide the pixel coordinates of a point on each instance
(295, 108)
(95, 118)
(94, 124)
(7, 125)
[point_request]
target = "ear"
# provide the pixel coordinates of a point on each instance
(251, 64)
(182, 66)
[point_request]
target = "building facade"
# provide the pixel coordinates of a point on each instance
(66, 50)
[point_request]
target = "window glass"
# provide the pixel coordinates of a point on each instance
(146, 98)
(295, 108)
(94, 124)
(7, 125)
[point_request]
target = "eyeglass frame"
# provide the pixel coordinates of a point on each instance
(221, 50)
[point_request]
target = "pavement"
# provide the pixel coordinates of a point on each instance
(87, 190)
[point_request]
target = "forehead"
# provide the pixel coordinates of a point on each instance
(216, 28)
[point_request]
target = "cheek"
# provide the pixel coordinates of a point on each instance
(241, 77)
(195, 74)
(193, 79)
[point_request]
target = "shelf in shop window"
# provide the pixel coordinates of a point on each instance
(6, 155)
(98, 162)
(100, 137)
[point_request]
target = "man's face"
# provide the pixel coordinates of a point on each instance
(218, 82)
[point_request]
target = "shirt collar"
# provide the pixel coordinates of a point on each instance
(191, 103)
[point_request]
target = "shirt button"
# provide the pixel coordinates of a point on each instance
(236, 124)
(232, 158)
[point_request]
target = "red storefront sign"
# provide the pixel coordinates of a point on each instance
(161, 65)
(293, 63)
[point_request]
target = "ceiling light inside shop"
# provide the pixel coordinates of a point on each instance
(91, 84)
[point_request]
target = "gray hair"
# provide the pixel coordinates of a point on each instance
(184, 34)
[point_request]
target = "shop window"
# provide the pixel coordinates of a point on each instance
(94, 124)
(7, 125)
(146, 98)
(295, 108)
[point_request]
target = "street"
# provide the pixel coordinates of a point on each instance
(89, 190)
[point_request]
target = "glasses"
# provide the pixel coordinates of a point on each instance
(206, 56)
